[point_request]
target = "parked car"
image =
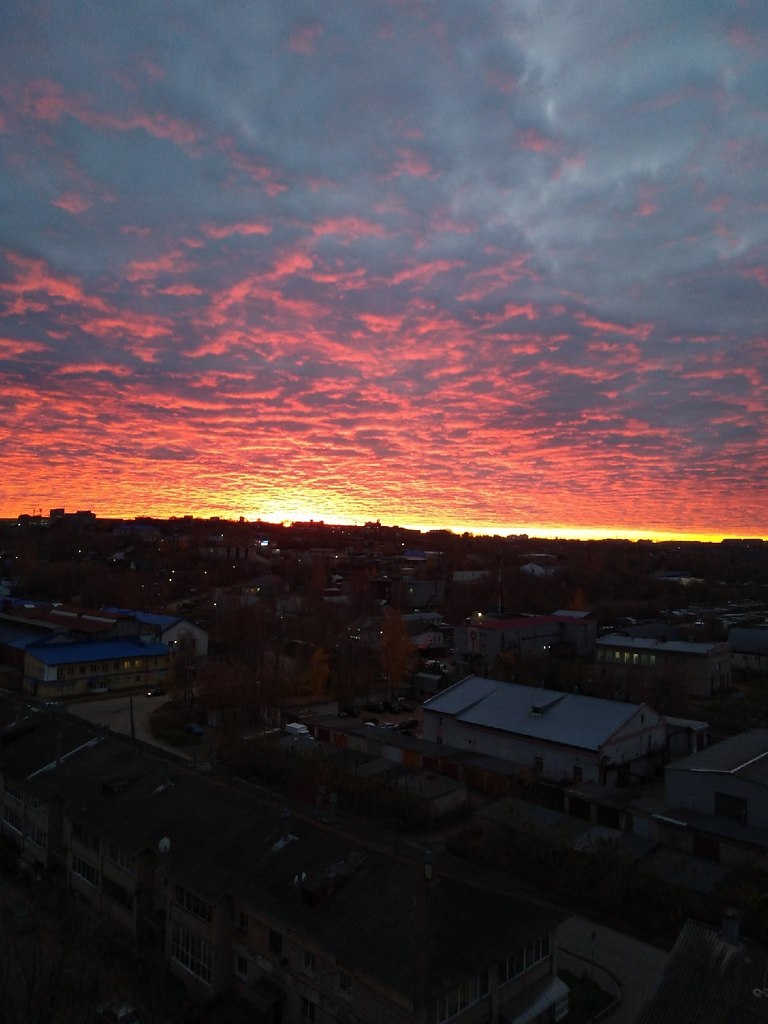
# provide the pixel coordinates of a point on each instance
(156, 691)
(408, 724)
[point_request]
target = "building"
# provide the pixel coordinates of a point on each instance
(749, 645)
(177, 632)
(727, 780)
(560, 736)
(711, 975)
(55, 667)
(298, 921)
(628, 665)
(480, 642)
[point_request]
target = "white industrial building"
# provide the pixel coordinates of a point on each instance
(560, 736)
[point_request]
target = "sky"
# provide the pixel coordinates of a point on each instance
(490, 266)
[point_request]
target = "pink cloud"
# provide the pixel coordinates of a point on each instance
(303, 40)
(45, 100)
(739, 37)
(639, 331)
(350, 227)
(759, 274)
(425, 271)
(528, 311)
(381, 324)
(12, 347)
(173, 262)
(180, 289)
(244, 228)
(412, 163)
(535, 142)
(72, 202)
(33, 276)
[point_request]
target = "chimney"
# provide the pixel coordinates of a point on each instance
(729, 927)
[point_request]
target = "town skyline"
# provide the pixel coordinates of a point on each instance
(477, 267)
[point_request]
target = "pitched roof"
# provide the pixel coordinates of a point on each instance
(569, 718)
(744, 755)
(710, 980)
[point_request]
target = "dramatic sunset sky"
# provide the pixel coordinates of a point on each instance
(465, 263)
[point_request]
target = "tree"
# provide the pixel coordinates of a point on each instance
(396, 650)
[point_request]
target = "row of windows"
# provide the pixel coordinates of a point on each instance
(189, 950)
(627, 657)
(193, 904)
(116, 892)
(524, 959)
(84, 870)
(460, 997)
(13, 819)
(119, 856)
(116, 666)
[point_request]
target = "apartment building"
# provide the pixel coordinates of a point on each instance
(293, 918)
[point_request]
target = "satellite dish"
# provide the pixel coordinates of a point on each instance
(164, 845)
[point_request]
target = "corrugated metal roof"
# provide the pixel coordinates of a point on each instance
(642, 643)
(100, 650)
(569, 718)
(745, 755)
(709, 980)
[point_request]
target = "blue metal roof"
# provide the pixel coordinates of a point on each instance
(102, 650)
(151, 618)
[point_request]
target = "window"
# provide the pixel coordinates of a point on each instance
(12, 818)
(119, 856)
(193, 904)
(241, 966)
(308, 1009)
(309, 961)
(524, 959)
(84, 870)
(242, 923)
(459, 998)
(538, 764)
(37, 835)
(345, 984)
(116, 892)
(276, 943)
(190, 951)
(578, 773)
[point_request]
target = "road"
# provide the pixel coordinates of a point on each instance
(636, 965)
(116, 713)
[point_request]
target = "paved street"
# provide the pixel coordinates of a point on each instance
(116, 713)
(637, 965)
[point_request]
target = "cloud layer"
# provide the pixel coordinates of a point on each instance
(477, 265)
